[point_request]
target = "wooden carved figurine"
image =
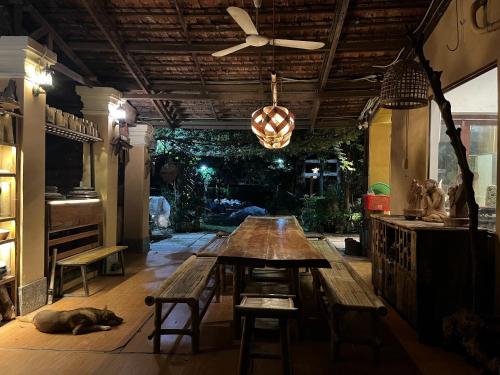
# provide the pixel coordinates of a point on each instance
(414, 198)
(433, 202)
(459, 211)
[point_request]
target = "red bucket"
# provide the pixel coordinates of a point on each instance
(374, 202)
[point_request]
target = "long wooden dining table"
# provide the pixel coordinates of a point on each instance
(277, 242)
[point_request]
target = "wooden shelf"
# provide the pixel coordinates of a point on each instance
(13, 114)
(7, 174)
(7, 279)
(6, 218)
(70, 134)
(8, 240)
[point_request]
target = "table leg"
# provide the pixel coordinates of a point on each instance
(237, 280)
(298, 300)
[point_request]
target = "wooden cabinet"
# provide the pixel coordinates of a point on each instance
(424, 271)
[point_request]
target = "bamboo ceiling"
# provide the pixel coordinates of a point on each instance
(162, 47)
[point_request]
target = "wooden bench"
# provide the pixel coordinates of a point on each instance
(74, 232)
(212, 249)
(341, 290)
(314, 235)
(185, 285)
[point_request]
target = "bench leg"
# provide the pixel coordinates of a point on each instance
(335, 335)
(122, 262)
(298, 301)
(84, 279)
(376, 341)
(61, 281)
(223, 277)
(246, 346)
(217, 283)
(195, 327)
(157, 333)
(285, 347)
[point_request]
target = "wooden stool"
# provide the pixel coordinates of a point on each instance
(272, 306)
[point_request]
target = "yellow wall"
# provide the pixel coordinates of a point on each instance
(95, 108)
(379, 168)
(416, 166)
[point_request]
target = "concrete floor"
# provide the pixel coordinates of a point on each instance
(127, 350)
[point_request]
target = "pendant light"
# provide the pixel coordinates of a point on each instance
(404, 86)
(273, 125)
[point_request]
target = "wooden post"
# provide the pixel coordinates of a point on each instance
(461, 154)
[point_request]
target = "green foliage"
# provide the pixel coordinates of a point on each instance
(243, 159)
(242, 145)
(327, 214)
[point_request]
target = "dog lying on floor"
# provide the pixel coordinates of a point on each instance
(78, 321)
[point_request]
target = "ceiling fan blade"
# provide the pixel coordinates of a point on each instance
(243, 19)
(229, 50)
(302, 44)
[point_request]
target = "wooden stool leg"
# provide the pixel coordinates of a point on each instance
(157, 333)
(246, 345)
(85, 281)
(285, 347)
(195, 327)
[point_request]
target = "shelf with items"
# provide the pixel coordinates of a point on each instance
(70, 134)
(9, 161)
(7, 279)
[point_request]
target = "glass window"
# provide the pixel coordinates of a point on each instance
(474, 107)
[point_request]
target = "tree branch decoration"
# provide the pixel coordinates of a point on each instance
(467, 175)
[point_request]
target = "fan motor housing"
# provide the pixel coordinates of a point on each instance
(257, 40)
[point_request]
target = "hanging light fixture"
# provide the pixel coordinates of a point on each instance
(273, 125)
(404, 86)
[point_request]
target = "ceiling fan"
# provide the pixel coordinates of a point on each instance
(254, 39)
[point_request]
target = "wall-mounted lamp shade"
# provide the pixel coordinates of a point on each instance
(404, 86)
(273, 126)
(116, 112)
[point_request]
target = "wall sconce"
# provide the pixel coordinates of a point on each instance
(41, 77)
(117, 112)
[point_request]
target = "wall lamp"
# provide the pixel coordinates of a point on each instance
(41, 77)
(117, 112)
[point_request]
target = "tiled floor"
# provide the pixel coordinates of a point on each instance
(126, 350)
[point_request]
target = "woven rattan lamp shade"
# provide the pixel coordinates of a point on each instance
(273, 126)
(404, 86)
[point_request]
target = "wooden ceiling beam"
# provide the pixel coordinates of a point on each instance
(108, 29)
(341, 7)
(245, 124)
(180, 17)
(310, 10)
(61, 44)
(364, 45)
(232, 96)
(181, 87)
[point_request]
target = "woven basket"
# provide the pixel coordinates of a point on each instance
(404, 86)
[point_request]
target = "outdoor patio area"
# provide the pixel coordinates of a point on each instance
(127, 350)
(251, 187)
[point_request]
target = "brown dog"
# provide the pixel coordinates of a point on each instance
(78, 321)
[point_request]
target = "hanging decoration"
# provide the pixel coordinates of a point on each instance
(404, 86)
(273, 125)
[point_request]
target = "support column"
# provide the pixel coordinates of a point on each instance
(96, 108)
(137, 189)
(19, 58)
